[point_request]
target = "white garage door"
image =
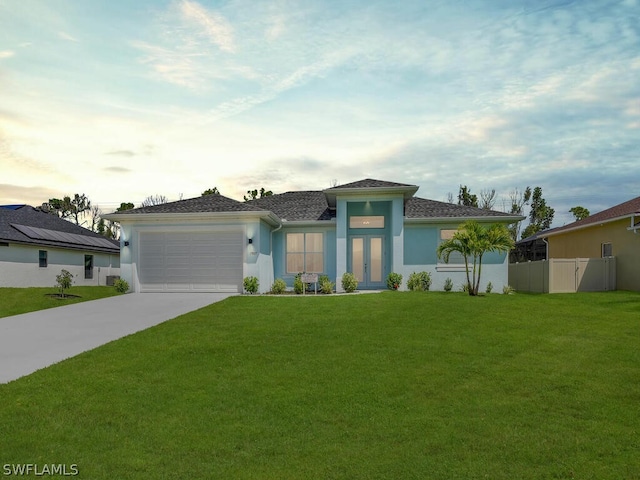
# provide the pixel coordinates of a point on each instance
(191, 261)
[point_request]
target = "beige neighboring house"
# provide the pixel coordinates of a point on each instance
(611, 233)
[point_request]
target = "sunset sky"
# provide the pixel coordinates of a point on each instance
(120, 100)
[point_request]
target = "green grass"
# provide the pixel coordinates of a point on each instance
(387, 386)
(14, 301)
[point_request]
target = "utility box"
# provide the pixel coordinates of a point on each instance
(111, 279)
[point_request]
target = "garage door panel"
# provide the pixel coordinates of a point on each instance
(191, 261)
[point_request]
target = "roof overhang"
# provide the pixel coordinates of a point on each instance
(561, 230)
(309, 223)
(479, 219)
(333, 193)
(175, 217)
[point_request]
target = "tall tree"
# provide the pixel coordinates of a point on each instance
(472, 241)
(211, 191)
(465, 197)
(152, 200)
(487, 199)
(540, 216)
(517, 201)
(70, 208)
(580, 213)
(253, 194)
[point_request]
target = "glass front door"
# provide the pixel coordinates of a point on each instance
(367, 260)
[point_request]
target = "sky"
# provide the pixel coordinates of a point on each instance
(121, 100)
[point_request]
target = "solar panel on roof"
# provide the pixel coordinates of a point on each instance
(37, 233)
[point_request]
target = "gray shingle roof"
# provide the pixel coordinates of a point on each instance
(31, 217)
(371, 183)
(297, 206)
(423, 208)
(203, 204)
(313, 205)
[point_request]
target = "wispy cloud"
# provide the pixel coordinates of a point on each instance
(6, 54)
(68, 37)
(122, 153)
(208, 24)
(194, 46)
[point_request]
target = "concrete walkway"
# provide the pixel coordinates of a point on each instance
(35, 340)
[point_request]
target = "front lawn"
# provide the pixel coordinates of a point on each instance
(397, 385)
(14, 301)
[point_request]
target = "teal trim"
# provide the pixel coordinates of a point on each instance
(420, 245)
(372, 208)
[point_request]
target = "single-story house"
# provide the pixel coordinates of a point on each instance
(609, 233)
(370, 228)
(35, 246)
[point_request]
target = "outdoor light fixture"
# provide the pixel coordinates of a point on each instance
(250, 241)
(126, 243)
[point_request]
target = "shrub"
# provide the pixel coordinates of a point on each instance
(420, 282)
(448, 285)
(64, 281)
(489, 287)
(349, 282)
(278, 287)
(394, 280)
(121, 285)
(326, 285)
(251, 284)
(298, 286)
(508, 289)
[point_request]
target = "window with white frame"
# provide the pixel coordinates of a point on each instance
(305, 252)
(455, 258)
(607, 250)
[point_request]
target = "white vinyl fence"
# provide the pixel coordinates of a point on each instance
(564, 275)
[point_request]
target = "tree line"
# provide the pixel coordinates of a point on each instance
(79, 209)
(540, 214)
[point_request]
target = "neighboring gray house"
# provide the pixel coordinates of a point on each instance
(35, 246)
(369, 227)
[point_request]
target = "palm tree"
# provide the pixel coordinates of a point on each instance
(472, 241)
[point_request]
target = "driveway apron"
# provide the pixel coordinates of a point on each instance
(35, 340)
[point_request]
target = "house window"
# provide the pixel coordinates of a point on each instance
(42, 258)
(456, 258)
(607, 250)
(366, 222)
(88, 266)
(305, 252)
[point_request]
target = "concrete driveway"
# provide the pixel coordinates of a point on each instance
(35, 340)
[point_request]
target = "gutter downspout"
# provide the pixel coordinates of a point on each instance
(546, 248)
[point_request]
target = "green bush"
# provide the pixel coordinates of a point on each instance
(326, 285)
(420, 282)
(64, 281)
(508, 289)
(251, 284)
(448, 285)
(121, 285)
(394, 280)
(489, 287)
(298, 286)
(349, 282)
(278, 287)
